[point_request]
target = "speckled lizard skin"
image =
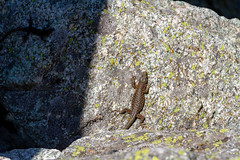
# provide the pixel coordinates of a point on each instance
(138, 100)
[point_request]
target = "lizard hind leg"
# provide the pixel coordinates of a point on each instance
(129, 111)
(142, 118)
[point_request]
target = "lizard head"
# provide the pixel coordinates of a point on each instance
(144, 77)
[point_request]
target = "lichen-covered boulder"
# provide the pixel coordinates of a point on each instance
(192, 58)
(134, 144)
(83, 77)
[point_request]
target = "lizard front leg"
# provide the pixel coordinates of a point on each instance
(129, 111)
(146, 89)
(133, 82)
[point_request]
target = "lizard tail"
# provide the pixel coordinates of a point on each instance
(130, 122)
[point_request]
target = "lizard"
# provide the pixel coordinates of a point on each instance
(138, 100)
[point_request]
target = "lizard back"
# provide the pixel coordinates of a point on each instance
(138, 99)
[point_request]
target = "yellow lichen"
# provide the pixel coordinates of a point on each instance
(149, 104)
(194, 67)
(174, 140)
(116, 63)
(176, 110)
(157, 141)
(121, 134)
(79, 151)
(103, 39)
(221, 47)
(217, 144)
(166, 46)
(223, 130)
(141, 154)
(199, 134)
(41, 54)
(105, 11)
(70, 40)
(171, 146)
(169, 125)
(161, 97)
(180, 138)
(133, 138)
(129, 137)
(160, 122)
(180, 152)
(202, 46)
(193, 84)
(137, 63)
(213, 93)
(213, 71)
(142, 138)
(168, 140)
(164, 85)
(170, 75)
(165, 29)
(144, 44)
(205, 125)
(202, 115)
(154, 158)
(111, 61)
(235, 158)
(185, 24)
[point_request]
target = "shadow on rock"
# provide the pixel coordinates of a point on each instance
(43, 80)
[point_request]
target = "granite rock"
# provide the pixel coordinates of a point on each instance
(75, 87)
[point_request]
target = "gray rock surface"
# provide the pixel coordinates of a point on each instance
(145, 144)
(191, 55)
(226, 8)
(207, 144)
(192, 58)
(43, 80)
(32, 153)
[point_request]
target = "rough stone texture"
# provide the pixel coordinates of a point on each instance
(43, 82)
(32, 153)
(4, 158)
(226, 8)
(192, 58)
(206, 144)
(134, 144)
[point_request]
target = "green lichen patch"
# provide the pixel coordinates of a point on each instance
(79, 151)
(183, 144)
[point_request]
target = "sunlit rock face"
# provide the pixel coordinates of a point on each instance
(226, 8)
(73, 83)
